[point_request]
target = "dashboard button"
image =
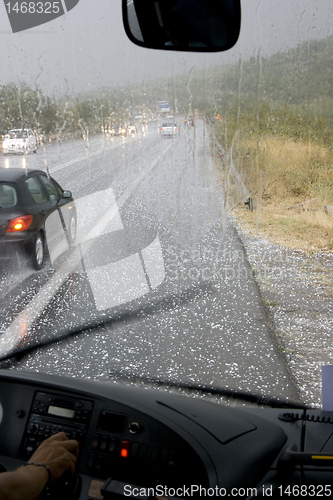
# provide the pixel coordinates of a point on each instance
(95, 443)
(104, 444)
(91, 462)
(113, 445)
(134, 450)
(125, 448)
(99, 464)
(134, 427)
(33, 428)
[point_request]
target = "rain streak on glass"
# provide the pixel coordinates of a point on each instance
(206, 245)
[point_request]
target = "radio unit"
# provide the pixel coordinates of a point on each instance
(53, 413)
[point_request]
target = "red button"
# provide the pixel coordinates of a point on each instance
(125, 448)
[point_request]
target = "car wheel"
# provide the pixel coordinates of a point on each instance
(38, 252)
(72, 230)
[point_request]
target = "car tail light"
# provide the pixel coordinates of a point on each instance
(19, 224)
(161, 128)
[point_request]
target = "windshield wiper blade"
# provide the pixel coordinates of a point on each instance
(167, 302)
(257, 399)
(63, 335)
(148, 309)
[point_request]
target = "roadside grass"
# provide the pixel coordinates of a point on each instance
(307, 231)
(301, 170)
(270, 303)
(297, 182)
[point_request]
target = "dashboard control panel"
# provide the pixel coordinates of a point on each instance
(50, 414)
(147, 438)
(117, 437)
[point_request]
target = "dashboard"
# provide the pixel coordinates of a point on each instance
(153, 439)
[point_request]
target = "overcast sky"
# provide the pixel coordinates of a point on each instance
(87, 48)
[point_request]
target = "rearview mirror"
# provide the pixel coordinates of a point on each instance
(183, 25)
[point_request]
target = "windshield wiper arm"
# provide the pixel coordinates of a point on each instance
(165, 303)
(257, 399)
(168, 302)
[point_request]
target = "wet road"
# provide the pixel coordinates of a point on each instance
(155, 250)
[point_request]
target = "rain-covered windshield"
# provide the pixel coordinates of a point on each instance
(206, 252)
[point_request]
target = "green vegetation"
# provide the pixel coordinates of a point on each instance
(22, 107)
(277, 134)
(278, 120)
(270, 303)
(276, 129)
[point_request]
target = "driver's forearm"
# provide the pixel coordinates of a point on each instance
(24, 483)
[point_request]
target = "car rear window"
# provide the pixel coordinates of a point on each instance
(8, 196)
(17, 134)
(167, 125)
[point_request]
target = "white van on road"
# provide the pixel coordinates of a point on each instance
(20, 141)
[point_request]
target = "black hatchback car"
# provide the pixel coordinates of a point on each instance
(35, 214)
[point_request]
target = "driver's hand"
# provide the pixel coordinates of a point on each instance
(57, 452)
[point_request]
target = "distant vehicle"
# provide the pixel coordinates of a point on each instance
(168, 129)
(118, 129)
(35, 213)
(20, 141)
(131, 128)
(122, 130)
(115, 129)
(163, 107)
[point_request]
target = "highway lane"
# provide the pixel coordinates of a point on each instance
(153, 237)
